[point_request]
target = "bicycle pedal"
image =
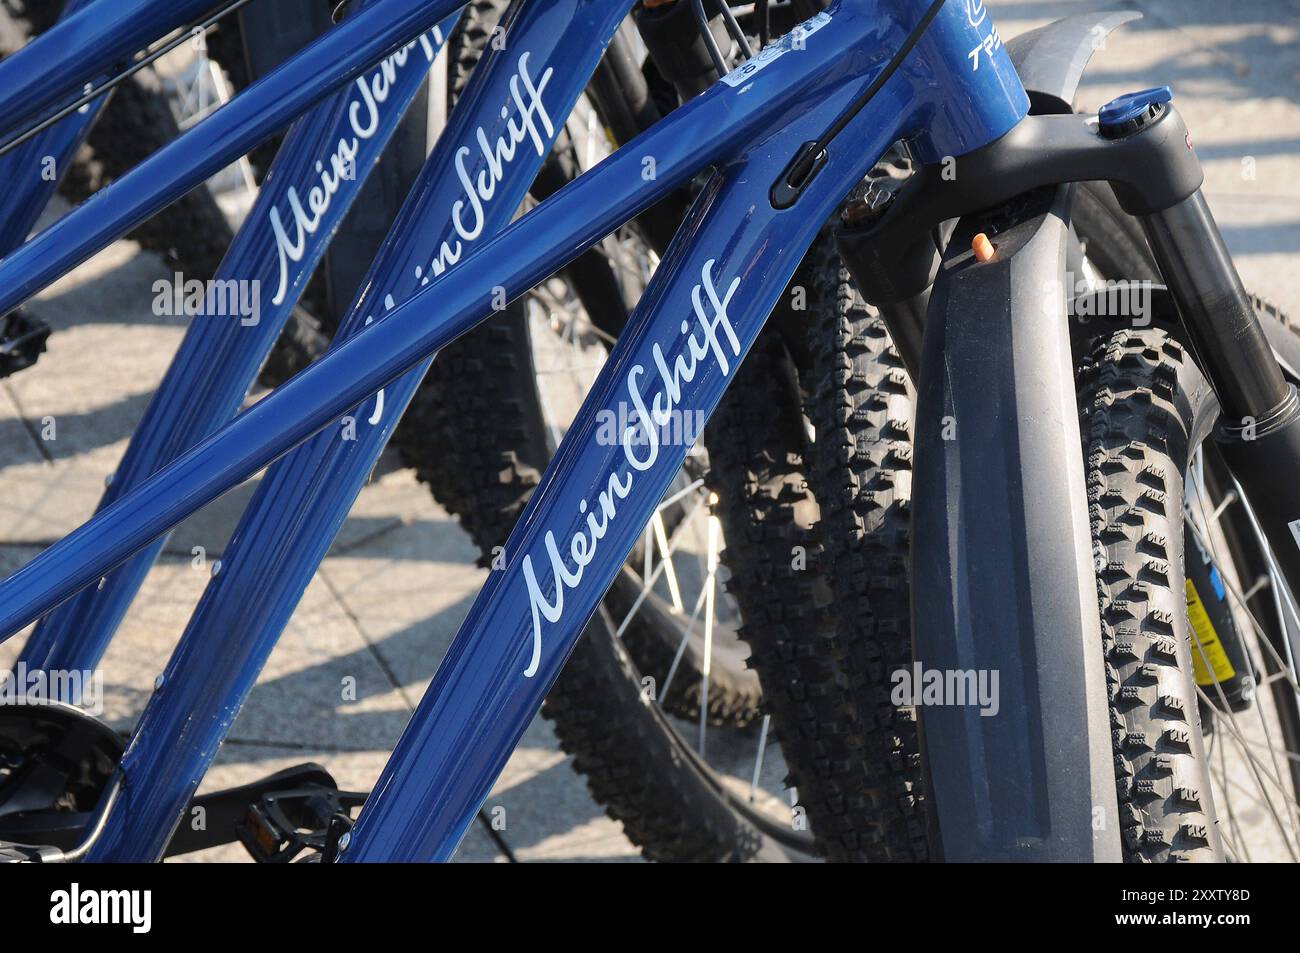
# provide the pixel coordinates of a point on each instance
(281, 825)
(22, 341)
(55, 762)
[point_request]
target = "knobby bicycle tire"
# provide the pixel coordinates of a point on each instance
(1137, 389)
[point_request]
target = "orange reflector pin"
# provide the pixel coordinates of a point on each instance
(982, 247)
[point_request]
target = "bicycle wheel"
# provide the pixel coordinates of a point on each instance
(1251, 715)
(1188, 747)
(1141, 402)
(864, 794)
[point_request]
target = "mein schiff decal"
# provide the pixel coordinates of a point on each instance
(711, 338)
(363, 117)
(531, 123)
(526, 121)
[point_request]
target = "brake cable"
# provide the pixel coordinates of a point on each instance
(733, 28)
(810, 158)
(93, 93)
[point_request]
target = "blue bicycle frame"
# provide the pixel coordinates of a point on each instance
(91, 40)
(316, 176)
(868, 71)
(303, 499)
(51, 151)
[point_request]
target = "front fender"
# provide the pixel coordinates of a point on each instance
(1050, 60)
(1003, 573)
(1002, 578)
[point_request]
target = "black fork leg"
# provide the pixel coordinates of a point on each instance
(1259, 431)
(1216, 310)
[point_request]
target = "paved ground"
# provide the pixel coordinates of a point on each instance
(400, 579)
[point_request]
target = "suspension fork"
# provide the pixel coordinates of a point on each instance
(1259, 429)
(1259, 426)
(1138, 144)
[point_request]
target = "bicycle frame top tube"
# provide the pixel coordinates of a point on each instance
(699, 315)
(265, 107)
(500, 133)
(322, 165)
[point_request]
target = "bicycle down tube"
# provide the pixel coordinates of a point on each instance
(322, 165)
(515, 104)
(954, 92)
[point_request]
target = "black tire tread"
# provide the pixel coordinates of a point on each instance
(757, 452)
(860, 407)
(631, 763)
(1138, 398)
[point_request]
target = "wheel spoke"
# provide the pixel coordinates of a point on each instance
(1262, 772)
(1240, 600)
(710, 617)
(681, 646)
(670, 574)
(1260, 775)
(647, 584)
(758, 758)
(1241, 853)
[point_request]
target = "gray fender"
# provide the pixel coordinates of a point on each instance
(1003, 579)
(1050, 60)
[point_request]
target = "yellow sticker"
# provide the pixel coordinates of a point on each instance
(1208, 639)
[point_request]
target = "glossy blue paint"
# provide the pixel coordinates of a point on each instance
(728, 264)
(52, 70)
(276, 250)
(33, 170)
(267, 106)
(304, 498)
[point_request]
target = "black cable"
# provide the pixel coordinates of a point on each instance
(733, 27)
(811, 155)
(104, 87)
(715, 54)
